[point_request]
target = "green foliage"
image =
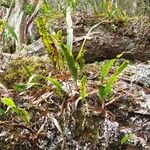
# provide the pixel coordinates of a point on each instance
(59, 37)
(10, 30)
(48, 40)
(46, 8)
(70, 62)
(9, 37)
(106, 69)
(80, 57)
(2, 112)
(80, 60)
(125, 139)
(25, 86)
(115, 76)
(51, 11)
(28, 8)
(34, 80)
(114, 12)
(54, 82)
(67, 50)
(5, 3)
(20, 87)
(105, 89)
(22, 113)
(83, 90)
(72, 3)
(95, 5)
(9, 102)
(41, 24)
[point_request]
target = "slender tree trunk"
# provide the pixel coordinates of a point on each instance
(19, 21)
(16, 18)
(31, 19)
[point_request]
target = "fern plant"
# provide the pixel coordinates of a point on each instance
(34, 81)
(48, 40)
(22, 113)
(106, 86)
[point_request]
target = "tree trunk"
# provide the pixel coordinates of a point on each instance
(19, 21)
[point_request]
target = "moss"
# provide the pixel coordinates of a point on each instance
(21, 69)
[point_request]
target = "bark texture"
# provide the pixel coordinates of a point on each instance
(18, 20)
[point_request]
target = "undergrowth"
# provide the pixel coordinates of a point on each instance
(28, 75)
(61, 57)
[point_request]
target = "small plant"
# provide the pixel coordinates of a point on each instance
(126, 138)
(22, 113)
(109, 9)
(56, 84)
(47, 40)
(112, 11)
(5, 26)
(105, 89)
(34, 81)
(28, 8)
(72, 3)
(95, 5)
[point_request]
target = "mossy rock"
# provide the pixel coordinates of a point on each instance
(20, 69)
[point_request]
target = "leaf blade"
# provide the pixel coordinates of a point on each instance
(83, 90)
(70, 61)
(9, 102)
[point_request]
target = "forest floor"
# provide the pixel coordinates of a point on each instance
(66, 122)
(69, 123)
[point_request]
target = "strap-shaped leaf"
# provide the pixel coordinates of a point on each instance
(102, 93)
(55, 83)
(23, 114)
(106, 69)
(70, 62)
(9, 102)
(83, 90)
(114, 77)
